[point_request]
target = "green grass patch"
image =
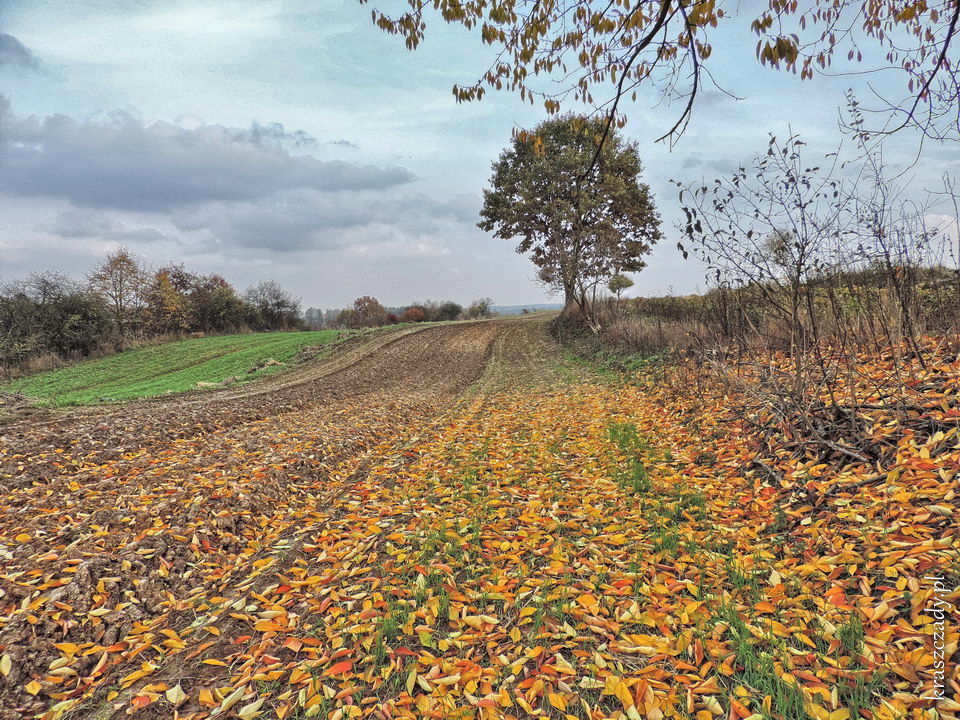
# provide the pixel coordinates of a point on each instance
(168, 368)
(610, 363)
(634, 475)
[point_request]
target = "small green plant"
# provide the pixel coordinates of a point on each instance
(740, 578)
(378, 653)
(634, 476)
(625, 436)
(666, 540)
(755, 668)
(851, 635)
(780, 523)
(536, 620)
(859, 692)
(393, 621)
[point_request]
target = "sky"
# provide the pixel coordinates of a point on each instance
(292, 140)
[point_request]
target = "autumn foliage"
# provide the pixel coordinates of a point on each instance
(413, 314)
(123, 303)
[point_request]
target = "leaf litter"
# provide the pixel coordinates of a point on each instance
(566, 550)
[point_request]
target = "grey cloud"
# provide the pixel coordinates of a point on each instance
(712, 163)
(15, 53)
(80, 224)
(343, 143)
(714, 99)
(316, 221)
(275, 132)
(119, 162)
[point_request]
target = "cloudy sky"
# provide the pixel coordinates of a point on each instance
(292, 140)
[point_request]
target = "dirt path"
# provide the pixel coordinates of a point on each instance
(111, 516)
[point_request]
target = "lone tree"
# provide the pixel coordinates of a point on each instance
(577, 205)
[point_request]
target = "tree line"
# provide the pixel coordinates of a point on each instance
(121, 300)
(367, 312)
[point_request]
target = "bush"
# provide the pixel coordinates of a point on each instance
(413, 315)
(480, 309)
(366, 312)
(49, 313)
(449, 311)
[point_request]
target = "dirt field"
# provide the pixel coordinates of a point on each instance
(105, 509)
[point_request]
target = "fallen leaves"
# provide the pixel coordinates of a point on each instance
(513, 558)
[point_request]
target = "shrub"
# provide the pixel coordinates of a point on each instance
(449, 310)
(366, 312)
(413, 314)
(480, 309)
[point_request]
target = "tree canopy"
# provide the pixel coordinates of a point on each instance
(121, 279)
(272, 306)
(618, 283)
(626, 44)
(577, 207)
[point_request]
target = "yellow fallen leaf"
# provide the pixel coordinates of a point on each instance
(250, 710)
(558, 701)
(229, 701)
(712, 704)
(175, 695)
(145, 669)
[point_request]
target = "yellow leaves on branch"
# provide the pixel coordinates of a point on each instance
(573, 46)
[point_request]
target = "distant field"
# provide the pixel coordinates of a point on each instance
(172, 367)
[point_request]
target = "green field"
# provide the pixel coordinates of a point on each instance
(171, 367)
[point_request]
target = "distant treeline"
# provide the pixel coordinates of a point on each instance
(121, 302)
(367, 312)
